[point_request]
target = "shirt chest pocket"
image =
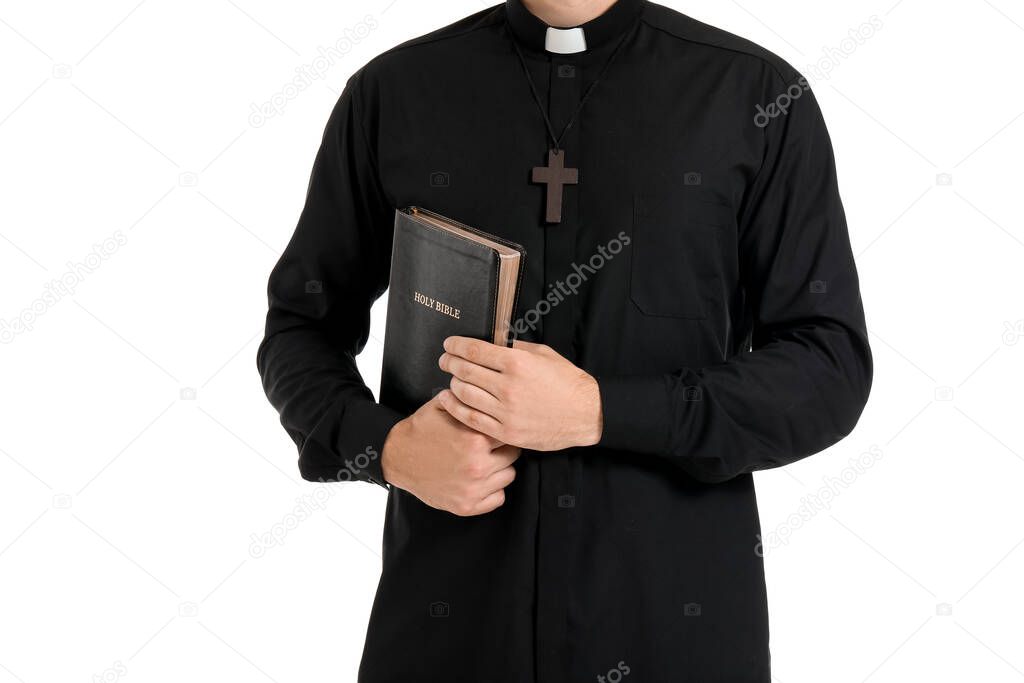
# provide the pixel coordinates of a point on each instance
(677, 254)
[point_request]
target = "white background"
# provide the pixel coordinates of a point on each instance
(127, 512)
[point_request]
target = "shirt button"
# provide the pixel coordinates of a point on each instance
(566, 501)
(566, 71)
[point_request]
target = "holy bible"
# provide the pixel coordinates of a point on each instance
(447, 279)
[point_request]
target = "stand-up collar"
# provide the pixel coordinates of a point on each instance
(532, 32)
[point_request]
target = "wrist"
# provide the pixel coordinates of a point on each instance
(389, 452)
(592, 421)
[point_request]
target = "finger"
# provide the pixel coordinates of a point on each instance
(507, 450)
(542, 349)
(467, 371)
(478, 352)
(471, 417)
(435, 402)
(475, 397)
(506, 455)
(491, 503)
(499, 479)
(491, 443)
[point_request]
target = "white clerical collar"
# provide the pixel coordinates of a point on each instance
(567, 41)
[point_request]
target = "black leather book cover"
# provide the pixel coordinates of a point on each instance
(442, 284)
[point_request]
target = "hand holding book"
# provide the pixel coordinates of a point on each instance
(528, 395)
(447, 465)
(455, 285)
(447, 278)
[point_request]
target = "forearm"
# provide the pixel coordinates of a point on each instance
(325, 407)
(784, 401)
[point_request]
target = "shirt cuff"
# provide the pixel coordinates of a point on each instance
(636, 414)
(364, 428)
(357, 440)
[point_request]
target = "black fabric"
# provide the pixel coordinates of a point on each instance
(702, 272)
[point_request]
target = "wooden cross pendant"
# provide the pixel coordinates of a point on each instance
(556, 176)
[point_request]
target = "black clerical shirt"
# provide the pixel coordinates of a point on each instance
(702, 272)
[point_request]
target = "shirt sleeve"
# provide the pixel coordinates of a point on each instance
(320, 293)
(802, 383)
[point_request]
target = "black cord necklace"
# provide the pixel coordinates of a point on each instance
(555, 175)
